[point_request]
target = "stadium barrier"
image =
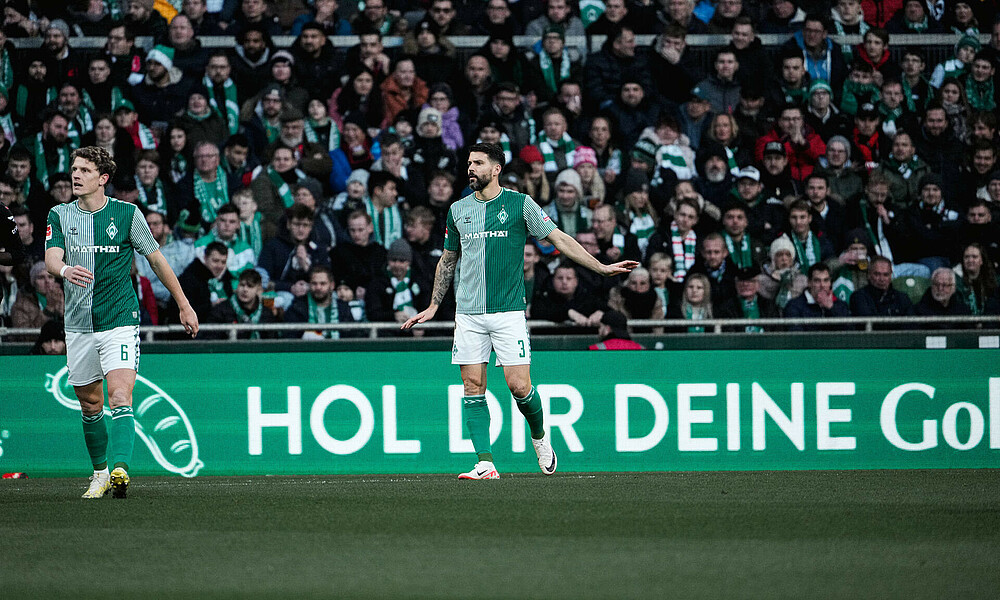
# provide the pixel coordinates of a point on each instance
(401, 412)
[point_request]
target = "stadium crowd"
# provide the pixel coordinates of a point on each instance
(310, 183)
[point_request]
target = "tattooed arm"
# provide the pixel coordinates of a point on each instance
(443, 276)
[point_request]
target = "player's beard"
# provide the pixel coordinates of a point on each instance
(478, 183)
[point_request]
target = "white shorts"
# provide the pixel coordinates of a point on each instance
(476, 335)
(91, 356)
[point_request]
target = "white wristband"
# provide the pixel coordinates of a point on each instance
(62, 271)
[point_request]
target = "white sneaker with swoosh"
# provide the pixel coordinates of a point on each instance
(546, 455)
(484, 469)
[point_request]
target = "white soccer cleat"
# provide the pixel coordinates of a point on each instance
(546, 455)
(484, 469)
(100, 483)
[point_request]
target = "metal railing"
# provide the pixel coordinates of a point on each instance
(716, 326)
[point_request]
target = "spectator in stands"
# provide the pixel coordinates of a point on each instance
(497, 21)
(376, 17)
(929, 226)
(980, 227)
(803, 146)
(245, 306)
(674, 70)
(289, 256)
(164, 92)
(714, 261)
(810, 249)
(612, 239)
(904, 170)
(937, 144)
(607, 69)
(40, 301)
(822, 115)
(357, 261)
(784, 17)
(552, 64)
(142, 19)
(425, 243)
(201, 121)
(635, 297)
(941, 300)
(34, 246)
(845, 183)
(824, 58)
(319, 306)
(568, 211)
(828, 218)
(884, 227)
(585, 164)
(316, 66)
(975, 175)
(748, 303)
(557, 12)
(324, 14)
(79, 118)
(398, 293)
(189, 55)
(722, 88)
(793, 81)
(563, 301)
(955, 103)
(64, 63)
(33, 91)
(254, 13)
(977, 281)
(127, 66)
(272, 187)
(817, 301)
(640, 218)
(875, 51)
(725, 16)
(442, 14)
(682, 239)
(225, 230)
(609, 158)
(535, 182)
(878, 12)
(781, 279)
(612, 331)
(206, 283)
(202, 22)
(879, 298)
(913, 18)
(696, 302)
(402, 90)
(100, 95)
(681, 13)
(744, 249)
(50, 147)
(382, 206)
(916, 86)
(359, 96)
(237, 162)
(204, 190)
(251, 60)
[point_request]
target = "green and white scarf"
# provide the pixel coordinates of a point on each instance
(742, 257)
(178, 167)
(82, 124)
(671, 157)
(284, 190)
(731, 160)
(159, 203)
(217, 287)
(21, 100)
(251, 234)
(402, 299)
(116, 99)
(904, 169)
(391, 227)
(980, 94)
(243, 317)
(807, 254)
(334, 138)
(273, 131)
(590, 11)
(146, 139)
(211, 196)
(643, 226)
(330, 314)
(7, 124)
(6, 70)
(751, 310)
(232, 108)
(664, 295)
(565, 145)
(548, 69)
(692, 313)
(683, 250)
(114, 9)
(42, 167)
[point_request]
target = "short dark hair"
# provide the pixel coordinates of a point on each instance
(217, 248)
(379, 179)
(744, 20)
(18, 210)
(492, 151)
(299, 211)
(151, 155)
(227, 208)
(99, 156)
(251, 277)
(816, 268)
(237, 139)
(880, 33)
(322, 269)
(817, 175)
(799, 205)
(879, 259)
(19, 154)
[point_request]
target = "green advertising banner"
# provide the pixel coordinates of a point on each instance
(401, 412)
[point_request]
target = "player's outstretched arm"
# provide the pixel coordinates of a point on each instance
(443, 276)
(77, 275)
(578, 254)
(166, 274)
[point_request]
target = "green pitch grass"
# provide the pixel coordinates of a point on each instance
(848, 534)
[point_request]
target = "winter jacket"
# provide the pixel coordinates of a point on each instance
(802, 159)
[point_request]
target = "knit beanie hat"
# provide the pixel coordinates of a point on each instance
(781, 243)
(163, 55)
(570, 177)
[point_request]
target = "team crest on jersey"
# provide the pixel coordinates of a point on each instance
(502, 215)
(112, 230)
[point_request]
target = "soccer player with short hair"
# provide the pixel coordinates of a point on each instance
(90, 243)
(487, 230)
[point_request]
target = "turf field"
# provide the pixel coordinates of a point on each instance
(801, 534)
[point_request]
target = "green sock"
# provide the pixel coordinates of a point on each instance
(477, 420)
(95, 433)
(531, 408)
(122, 436)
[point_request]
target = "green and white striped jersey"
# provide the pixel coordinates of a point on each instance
(103, 241)
(491, 237)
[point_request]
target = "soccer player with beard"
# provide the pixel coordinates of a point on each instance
(487, 230)
(90, 243)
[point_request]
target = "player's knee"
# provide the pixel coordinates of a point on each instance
(520, 389)
(119, 398)
(90, 407)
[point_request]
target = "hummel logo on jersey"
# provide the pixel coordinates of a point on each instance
(72, 230)
(112, 230)
(502, 215)
(468, 220)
